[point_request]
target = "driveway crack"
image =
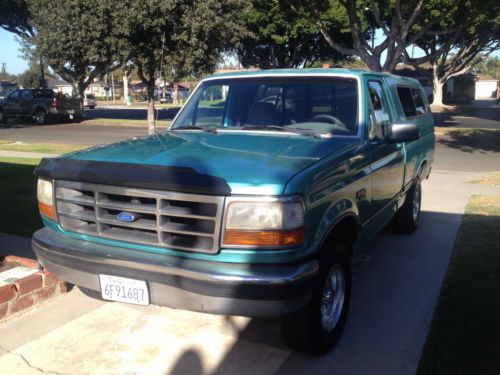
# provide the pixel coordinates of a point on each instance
(25, 360)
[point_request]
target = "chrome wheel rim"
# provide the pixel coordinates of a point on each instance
(416, 203)
(332, 299)
(40, 117)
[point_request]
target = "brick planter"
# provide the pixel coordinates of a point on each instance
(28, 291)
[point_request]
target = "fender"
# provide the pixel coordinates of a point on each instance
(337, 212)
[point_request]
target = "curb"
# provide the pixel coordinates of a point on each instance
(28, 291)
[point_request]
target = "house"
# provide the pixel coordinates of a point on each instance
(6, 88)
(59, 85)
(486, 86)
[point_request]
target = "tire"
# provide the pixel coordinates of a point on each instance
(3, 118)
(40, 116)
(317, 328)
(407, 217)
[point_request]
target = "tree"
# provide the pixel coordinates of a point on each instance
(175, 38)
(279, 38)
(30, 77)
(476, 30)
(76, 38)
(402, 24)
(489, 65)
(14, 17)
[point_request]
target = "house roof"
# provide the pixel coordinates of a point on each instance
(55, 82)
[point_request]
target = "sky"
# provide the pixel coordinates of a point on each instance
(9, 52)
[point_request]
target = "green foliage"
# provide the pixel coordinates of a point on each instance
(76, 37)
(489, 65)
(14, 17)
(31, 76)
(280, 38)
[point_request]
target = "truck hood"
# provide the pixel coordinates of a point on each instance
(249, 162)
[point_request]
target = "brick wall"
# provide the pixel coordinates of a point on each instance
(28, 291)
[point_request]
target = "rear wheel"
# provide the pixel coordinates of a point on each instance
(408, 216)
(316, 328)
(40, 116)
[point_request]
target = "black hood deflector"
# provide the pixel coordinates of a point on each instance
(144, 176)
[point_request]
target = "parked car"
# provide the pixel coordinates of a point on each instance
(253, 201)
(89, 101)
(39, 104)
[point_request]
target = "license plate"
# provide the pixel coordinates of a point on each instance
(122, 289)
(71, 111)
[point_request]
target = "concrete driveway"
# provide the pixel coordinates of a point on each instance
(395, 289)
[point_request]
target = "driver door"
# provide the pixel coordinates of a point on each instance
(13, 105)
(387, 164)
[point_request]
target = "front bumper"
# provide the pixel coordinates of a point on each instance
(198, 285)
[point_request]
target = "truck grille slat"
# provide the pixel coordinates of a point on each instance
(160, 218)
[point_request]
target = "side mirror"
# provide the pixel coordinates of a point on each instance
(404, 132)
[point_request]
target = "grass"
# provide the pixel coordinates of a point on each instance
(39, 147)
(18, 204)
(464, 337)
(493, 180)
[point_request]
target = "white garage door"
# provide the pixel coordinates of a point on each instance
(486, 89)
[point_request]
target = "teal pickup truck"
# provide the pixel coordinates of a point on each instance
(253, 201)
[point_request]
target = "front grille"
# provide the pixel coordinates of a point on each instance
(162, 218)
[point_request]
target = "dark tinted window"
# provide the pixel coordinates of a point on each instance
(419, 102)
(323, 105)
(26, 94)
(14, 94)
(45, 94)
(406, 100)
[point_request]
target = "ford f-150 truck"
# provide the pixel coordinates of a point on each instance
(39, 104)
(253, 201)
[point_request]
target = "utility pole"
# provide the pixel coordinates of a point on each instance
(113, 87)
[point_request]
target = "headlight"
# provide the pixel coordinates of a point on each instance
(260, 223)
(45, 198)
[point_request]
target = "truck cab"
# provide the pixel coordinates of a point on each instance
(253, 201)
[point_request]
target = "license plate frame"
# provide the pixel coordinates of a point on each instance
(124, 289)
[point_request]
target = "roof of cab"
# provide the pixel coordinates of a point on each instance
(318, 71)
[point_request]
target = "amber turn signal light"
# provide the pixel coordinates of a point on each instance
(268, 238)
(46, 210)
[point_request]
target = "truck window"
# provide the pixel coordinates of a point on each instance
(319, 104)
(380, 118)
(406, 99)
(419, 102)
(26, 94)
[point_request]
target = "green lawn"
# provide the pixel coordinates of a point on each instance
(18, 204)
(39, 147)
(465, 333)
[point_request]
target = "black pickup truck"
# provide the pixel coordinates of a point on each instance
(39, 104)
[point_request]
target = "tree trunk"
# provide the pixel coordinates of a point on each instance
(175, 89)
(437, 88)
(43, 84)
(125, 87)
(151, 107)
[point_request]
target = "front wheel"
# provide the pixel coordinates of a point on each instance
(408, 216)
(317, 328)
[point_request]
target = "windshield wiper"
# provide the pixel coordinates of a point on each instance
(194, 127)
(283, 129)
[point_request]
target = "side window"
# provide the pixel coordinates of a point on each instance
(380, 118)
(27, 94)
(406, 99)
(14, 94)
(419, 102)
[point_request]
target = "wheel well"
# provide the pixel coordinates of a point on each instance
(421, 168)
(346, 229)
(38, 107)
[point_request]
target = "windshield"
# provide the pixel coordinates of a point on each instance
(323, 105)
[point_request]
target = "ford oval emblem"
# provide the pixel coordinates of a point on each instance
(127, 217)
